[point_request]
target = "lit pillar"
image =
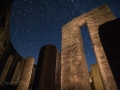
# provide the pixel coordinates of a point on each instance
(104, 67)
(5, 70)
(74, 74)
(26, 74)
(9, 76)
(18, 71)
(96, 77)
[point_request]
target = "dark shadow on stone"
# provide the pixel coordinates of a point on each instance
(45, 71)
(4, 6)
(10, 87)
(3, 20)
(110, 38)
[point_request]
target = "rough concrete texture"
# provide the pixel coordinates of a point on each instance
(74, 73)
(12, 68)
(96, 77)
(18, 71)
(26, 74)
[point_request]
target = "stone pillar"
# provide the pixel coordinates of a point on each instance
(96, 77)
(74, 72)
(71, 48)
(109, 34)
(12, 68)
(99, 16)
(5, 70)
(105, 70)
(58, 72)
(17, 73)
(45, 71)
(26, 74)
(91, 81)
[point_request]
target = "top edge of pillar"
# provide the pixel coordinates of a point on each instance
(30, 57)
(84, 15)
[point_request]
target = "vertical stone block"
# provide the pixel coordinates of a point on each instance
(70, 35)
(26, 74)
(18, 71)
(91, 81)
(96, 77)
(46, 69)
(74, 72)
(12, 68)
(109, 33)
(58, 72)
(5, 70)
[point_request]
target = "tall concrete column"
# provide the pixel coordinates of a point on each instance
(5, 70)
(74, 74)
(71, 46)
(96, 77)
(26, 74)
(109, 34)
(103, 15)
(45, 71)
(12, 68)
(17, 73)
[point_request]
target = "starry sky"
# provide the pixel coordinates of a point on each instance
(35, 23)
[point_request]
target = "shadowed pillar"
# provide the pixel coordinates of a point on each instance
(45, 71)
(58, 72)
(110, 38)
(26, 74)
(32, 77)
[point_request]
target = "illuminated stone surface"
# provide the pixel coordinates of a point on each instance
(26, 74)
(17, 73)
(96, 77)
(74, 73)
(12, 68)
(5, 70)
(74, 69)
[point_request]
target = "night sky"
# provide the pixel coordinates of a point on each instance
(35, 23)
